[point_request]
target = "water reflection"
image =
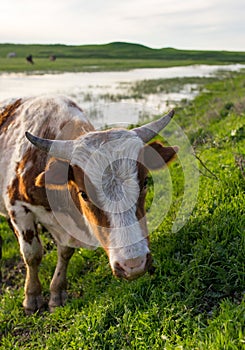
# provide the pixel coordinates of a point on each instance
(105, 96)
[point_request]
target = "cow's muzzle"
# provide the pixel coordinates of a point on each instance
(133, 268)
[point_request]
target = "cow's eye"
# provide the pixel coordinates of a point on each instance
(84, 195)
(145, 183)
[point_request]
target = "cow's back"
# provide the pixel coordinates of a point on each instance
(48, 117)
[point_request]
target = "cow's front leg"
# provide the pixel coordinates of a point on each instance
(32, 252)
(58, 284)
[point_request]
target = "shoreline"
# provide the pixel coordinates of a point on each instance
(41, 66)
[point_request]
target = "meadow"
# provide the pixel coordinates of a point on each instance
(196, 298)
(113, 56)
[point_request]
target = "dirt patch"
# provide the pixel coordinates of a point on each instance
(13, 273)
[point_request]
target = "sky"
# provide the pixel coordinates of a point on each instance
(189, 24)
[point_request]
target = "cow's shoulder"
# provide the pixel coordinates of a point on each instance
(22, 186)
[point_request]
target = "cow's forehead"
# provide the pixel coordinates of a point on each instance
(109, 160)
(106, 147)
(98, 138)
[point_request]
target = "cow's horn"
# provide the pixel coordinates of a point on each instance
(148, 131)
(57, 148)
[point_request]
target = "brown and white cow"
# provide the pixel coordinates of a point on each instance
(86, 187)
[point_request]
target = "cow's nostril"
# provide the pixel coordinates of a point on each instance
(133, 266)
(135, 263)
(118, 271)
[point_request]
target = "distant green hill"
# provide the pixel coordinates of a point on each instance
(108, 57)
(118, 50)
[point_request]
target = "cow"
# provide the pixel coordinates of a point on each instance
(86, 187)
(29, 59)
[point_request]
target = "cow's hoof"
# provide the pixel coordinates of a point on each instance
(57, 299)
(33, 303)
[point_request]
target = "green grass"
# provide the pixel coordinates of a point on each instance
(195, 299)
(43, 65)
(114, 56)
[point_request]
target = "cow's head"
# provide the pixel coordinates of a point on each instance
(106, 173)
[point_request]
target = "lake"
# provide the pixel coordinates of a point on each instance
(94, 91)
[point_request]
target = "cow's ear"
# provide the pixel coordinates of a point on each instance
(56, 175)
(156, 156)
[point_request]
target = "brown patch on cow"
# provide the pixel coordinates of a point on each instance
(13, 191)
(8, 115)
(142, 176)
(99, 223)
(140, 211)
(45, 131)
(23, 187)
(96, 217)
(156, 156)
(32, 164)
(26, 209)
(28, 236)
(57, 175)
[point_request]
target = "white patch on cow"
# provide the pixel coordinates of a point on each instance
(120, 255)
(65, 229)
(109, 159)
(125, 230)
(30, 251)
(22, 220)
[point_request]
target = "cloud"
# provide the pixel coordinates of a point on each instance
(189, 24)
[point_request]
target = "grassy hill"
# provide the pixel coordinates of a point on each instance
(195, 299)
(116, 55)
